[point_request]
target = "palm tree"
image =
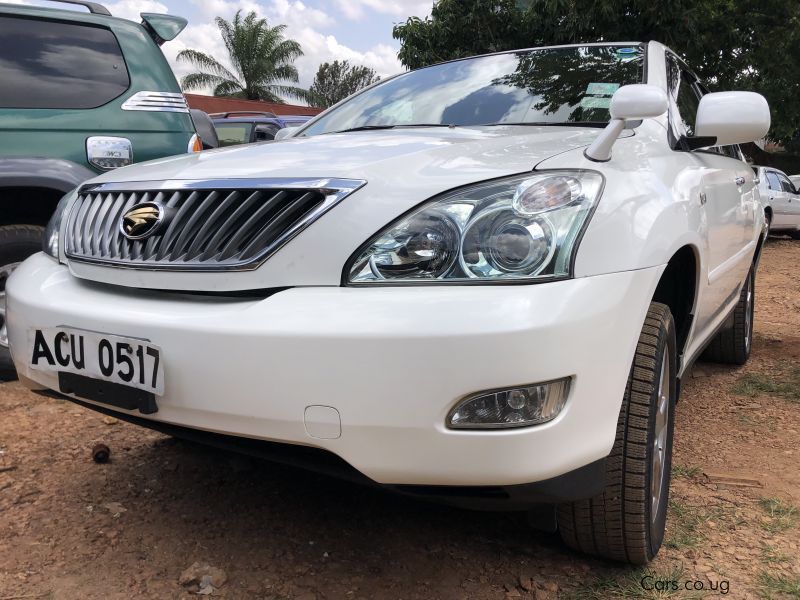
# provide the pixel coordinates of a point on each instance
(261, 57)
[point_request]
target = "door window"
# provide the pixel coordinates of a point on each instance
(684, 94)
(773, 181)
(51, 64)
(786, 185)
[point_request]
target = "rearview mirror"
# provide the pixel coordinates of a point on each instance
(629, 103)
(285, 132)
(732, 117)
(205, 129)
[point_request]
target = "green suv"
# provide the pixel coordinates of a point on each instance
(81, 93)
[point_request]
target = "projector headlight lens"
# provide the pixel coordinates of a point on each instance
(519, 228)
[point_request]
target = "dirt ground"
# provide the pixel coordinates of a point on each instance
(70, 528)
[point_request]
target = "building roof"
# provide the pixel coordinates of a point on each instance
(221, 104)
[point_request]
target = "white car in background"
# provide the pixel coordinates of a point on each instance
(781, 200)
(481, 282)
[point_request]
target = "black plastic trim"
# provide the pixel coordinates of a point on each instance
(583, 482)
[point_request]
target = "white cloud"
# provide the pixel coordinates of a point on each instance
(304, 24)
(131, 9)
(400, 9)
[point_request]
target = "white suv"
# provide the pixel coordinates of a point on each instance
(481, 282)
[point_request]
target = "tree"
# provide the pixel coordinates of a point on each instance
(261, 57)
(337, 80)
(731, 44)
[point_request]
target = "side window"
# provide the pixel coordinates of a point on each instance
(786, 185)
(684, 94)
(773, 181)
(59, 65)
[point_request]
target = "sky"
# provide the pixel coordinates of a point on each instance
(357, 30)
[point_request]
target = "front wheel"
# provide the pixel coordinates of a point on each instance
(626, 522)
(17, 242)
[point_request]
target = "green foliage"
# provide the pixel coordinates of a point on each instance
(783, 516)
(262, 60)
(773, 587)
(337, 80)
(731, 44)
(782, 381)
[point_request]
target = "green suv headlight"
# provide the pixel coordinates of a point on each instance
(525, 227)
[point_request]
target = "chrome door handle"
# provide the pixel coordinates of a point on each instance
(703, 198)
(740, 180)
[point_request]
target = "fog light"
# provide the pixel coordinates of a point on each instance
(513, 407)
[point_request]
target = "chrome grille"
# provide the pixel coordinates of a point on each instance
(208, 225)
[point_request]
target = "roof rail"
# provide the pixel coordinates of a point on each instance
(94, 7)
(225, 115)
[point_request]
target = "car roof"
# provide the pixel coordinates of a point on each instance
(75, 14)
(258, 119)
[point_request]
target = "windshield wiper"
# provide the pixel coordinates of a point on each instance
(396, 126)
(552, 124)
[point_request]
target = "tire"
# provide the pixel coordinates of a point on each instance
(17, 242)
(626, 522)
(732, 344)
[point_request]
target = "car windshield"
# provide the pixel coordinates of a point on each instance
(230, 134)
(549, 86)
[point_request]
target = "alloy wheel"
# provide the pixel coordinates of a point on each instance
(660, 433)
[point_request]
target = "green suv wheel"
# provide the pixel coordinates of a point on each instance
(17, 242)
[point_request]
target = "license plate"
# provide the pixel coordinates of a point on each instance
(128, 361)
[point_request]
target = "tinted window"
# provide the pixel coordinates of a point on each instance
(786, 185)
(682, 88)
(230, 134)
(46, 64)
(773, 181)
(548, 86)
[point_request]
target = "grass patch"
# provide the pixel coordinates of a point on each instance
(783, 515)
(684, 524)
(772, 556)
(633, 585)
(773, 587)
(683, 471)
(747, 420)
(783, 382)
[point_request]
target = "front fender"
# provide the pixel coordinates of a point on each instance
(649, 208)
(50, 173)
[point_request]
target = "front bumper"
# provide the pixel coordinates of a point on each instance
(391, 361)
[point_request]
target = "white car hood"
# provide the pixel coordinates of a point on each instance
(451, 156)
(401, 167)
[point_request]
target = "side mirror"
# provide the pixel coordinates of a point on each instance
(732, 117)
(205, 129)
(629, 103)
(285, 132)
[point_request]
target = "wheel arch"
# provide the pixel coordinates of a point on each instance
(678, 288)
(30, 188)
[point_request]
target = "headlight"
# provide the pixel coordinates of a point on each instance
(51, 232)
(524, 227)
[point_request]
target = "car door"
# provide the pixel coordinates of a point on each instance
(778, 198)
(791, 197)
(729, 199)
